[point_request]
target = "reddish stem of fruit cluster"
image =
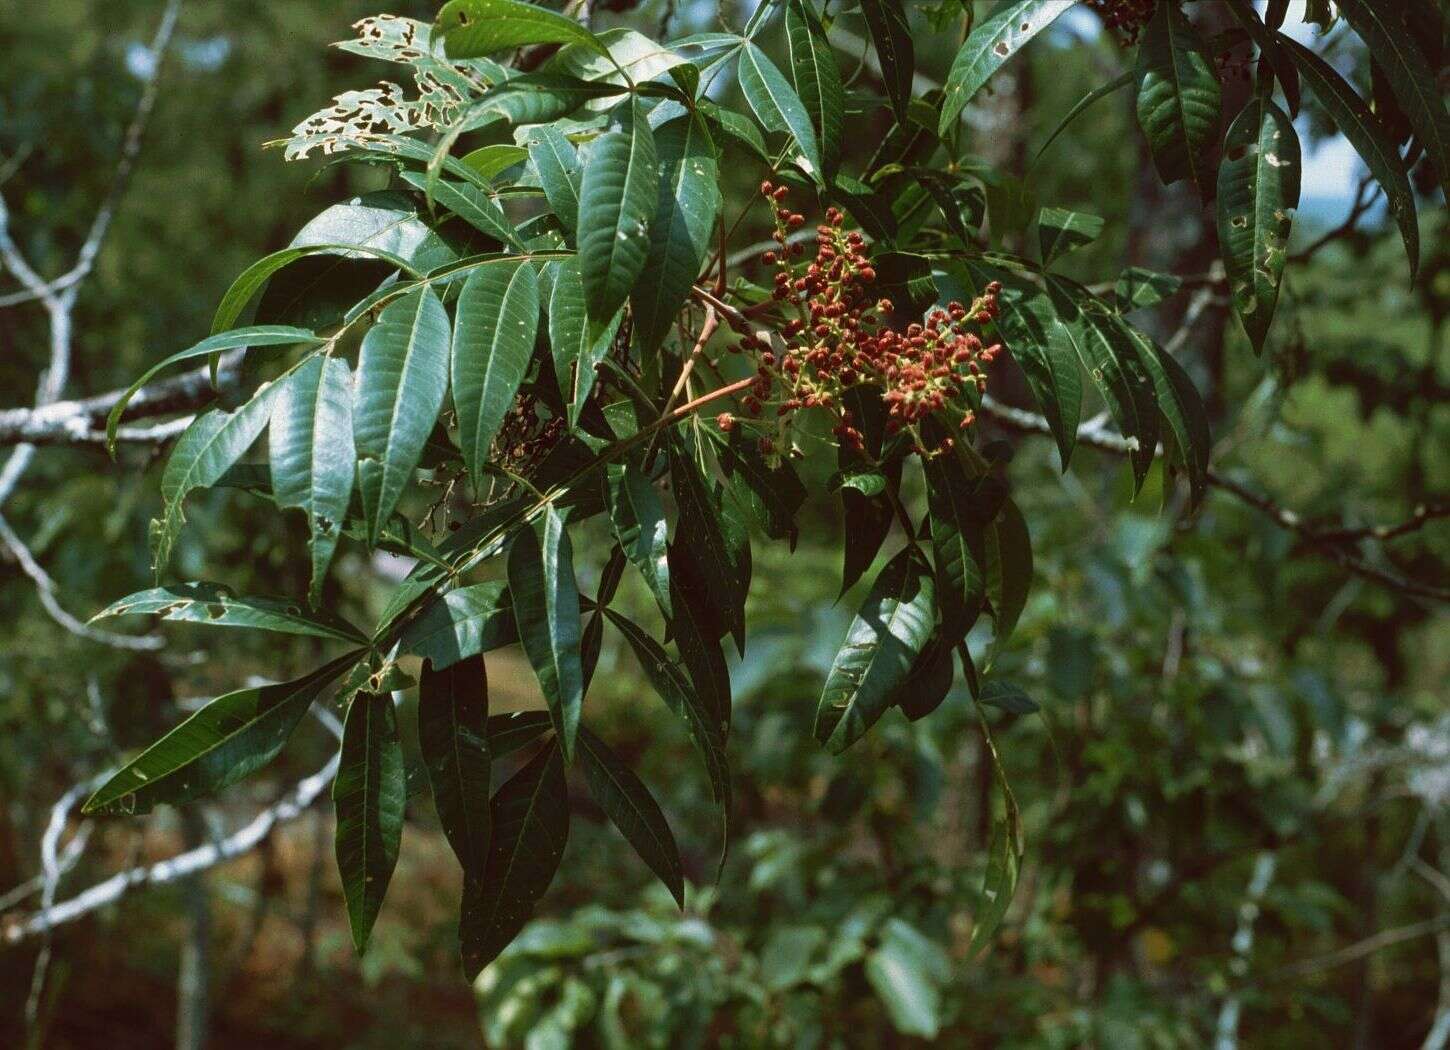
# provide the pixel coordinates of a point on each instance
(842, 336)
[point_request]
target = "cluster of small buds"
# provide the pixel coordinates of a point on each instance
(1125, 18)
(841, 335)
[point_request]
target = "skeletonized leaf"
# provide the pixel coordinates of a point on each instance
(546, 608)
(776, 105)
(313, 460)
(370, 793)
(679, 236)
(402, 378)
(618, 196)
(888, 633)
(993, 42)
(453, 735)
(493, 339)
(631, 807)
(1179, 97)
(891, 35)
(1258, 191)
(530, 819)
(228, 739)
(211, 603)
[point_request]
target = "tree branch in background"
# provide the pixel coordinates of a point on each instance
(1337, 542)
(246, 838)
(58, 297)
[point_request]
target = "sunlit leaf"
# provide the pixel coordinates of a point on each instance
(402, 378)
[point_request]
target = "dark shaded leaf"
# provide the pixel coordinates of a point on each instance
(462, 623)
(1367, 136)
(1179, 97)
(453, 736)
(370, 793)
(891, 35)
(1059, 231)
(530, 820)
(638, 518)
(628, 803)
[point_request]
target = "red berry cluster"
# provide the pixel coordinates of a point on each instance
(842, 336)
(1126, 18)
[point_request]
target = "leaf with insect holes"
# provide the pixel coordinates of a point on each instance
(993, 42)
(313, 460)
(213, 604)
(1258, 191)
